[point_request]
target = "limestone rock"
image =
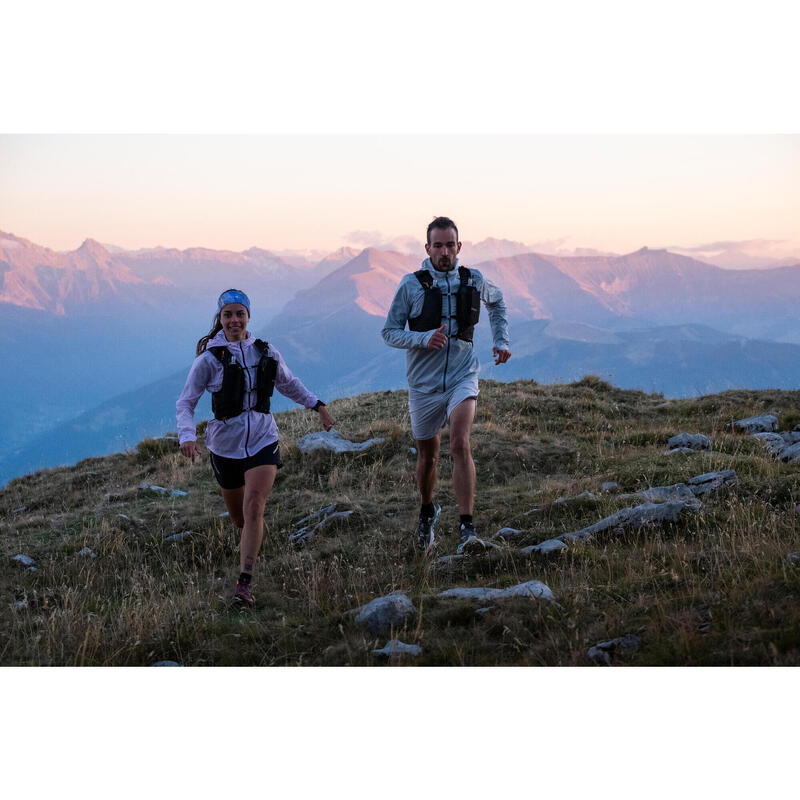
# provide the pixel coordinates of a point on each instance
(165, 664)
(316, 520)
(18, 510)
(632, 518)
(507, 533)
(535, 589)
(609, 486)
(394, 649)
(764, 423)
(149, 487)
(583, 496)
(547, 546)
(791, 454)
(86, 553)
(692, 441)
(23, 559)
(332, 440)
(601, 653)
(443, 560)
(384, 613)
(711, 481)
(178, 537)
(663, 494)
(794, 558)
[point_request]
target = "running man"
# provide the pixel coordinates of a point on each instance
(441, 304)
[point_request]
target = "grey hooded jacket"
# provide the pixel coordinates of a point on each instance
(439, 370)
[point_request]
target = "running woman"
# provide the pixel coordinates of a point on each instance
(240, 372)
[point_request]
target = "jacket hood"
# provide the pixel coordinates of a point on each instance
(220, 341)
(426, 264)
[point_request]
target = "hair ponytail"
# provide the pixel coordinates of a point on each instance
(216, 327)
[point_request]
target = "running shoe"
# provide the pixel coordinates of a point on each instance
(468, 541)
(243, 597)
(424, 533)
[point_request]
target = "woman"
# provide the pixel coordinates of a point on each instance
(240, 371)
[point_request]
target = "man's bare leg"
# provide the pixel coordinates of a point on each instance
(427, 463)
(461, 420)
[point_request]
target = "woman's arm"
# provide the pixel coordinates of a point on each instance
(196, 383)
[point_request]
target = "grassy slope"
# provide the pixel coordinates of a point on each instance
(713, 590)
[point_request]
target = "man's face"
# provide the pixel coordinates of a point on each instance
(443, 248)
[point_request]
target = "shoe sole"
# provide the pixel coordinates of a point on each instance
(429, 546)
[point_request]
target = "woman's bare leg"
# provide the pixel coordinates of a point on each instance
(257, 486)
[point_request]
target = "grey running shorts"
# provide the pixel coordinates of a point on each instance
(430, 411)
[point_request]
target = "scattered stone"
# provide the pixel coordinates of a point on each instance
(412, 450)
(32, 569)
(535, 589)
(484, 610)
(547, 546)
(165, 664)
(178, 537)
(18, 510)
(225, 514)
(693, 441)
(124, 516)
(21, 604)
(794, 558)
(711, 481)
(609, 486)
(583, 496)
(26, 561)
(631, 518)
(442, 560)
(625, 645)
(384, 613)
(86, 553)
(149, 487)
(332, 440)
(532, 511)
(764, 423)
(395, 649)
(507, 533)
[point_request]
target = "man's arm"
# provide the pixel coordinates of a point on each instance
(394, 333)
(493, 300)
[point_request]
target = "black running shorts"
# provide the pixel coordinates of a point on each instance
(229, 472)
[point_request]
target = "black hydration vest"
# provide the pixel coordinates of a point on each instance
(229, 400)
(468, 305)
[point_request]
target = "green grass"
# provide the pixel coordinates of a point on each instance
(712, 590)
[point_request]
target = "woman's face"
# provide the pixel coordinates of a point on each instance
(234, 321)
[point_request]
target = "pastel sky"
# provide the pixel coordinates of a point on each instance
(610, 192)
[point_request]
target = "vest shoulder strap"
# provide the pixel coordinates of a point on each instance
(261, 346)
(424, 277)
(221, 353)
(465, 274)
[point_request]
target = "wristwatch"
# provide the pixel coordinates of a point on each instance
(317, 406)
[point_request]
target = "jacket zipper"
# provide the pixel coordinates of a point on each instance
(247, 410)
(447, 353)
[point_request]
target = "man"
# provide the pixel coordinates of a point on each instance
(441, 304)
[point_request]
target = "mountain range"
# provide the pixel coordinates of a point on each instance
(99, 340)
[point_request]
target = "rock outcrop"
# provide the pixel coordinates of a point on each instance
(764, 423)
(333, 441)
